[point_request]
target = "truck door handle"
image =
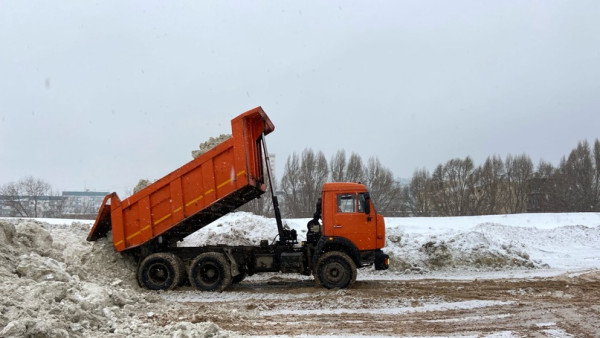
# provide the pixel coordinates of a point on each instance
(337, 226)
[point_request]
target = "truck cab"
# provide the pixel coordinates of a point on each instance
(348, 212)
(351, 235)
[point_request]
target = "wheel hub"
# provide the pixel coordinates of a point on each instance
(158, 273)
(334, 272)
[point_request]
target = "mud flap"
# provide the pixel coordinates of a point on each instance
(234, 266)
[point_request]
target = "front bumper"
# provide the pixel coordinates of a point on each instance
(382, 261)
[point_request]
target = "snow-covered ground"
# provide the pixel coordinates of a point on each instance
(50, 271)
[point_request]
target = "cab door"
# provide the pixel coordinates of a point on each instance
(351, 221)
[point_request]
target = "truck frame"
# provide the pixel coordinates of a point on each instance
(150, 223)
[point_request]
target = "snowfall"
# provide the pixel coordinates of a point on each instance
(53, 283)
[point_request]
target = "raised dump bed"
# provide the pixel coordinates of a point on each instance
(194, 195)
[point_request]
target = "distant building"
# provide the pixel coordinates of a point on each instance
(30, 206)
(71, 204)
(85, 203)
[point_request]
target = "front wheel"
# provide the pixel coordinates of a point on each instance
(335, 270)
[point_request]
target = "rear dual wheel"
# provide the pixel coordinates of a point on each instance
(161, 271)
(210, 271)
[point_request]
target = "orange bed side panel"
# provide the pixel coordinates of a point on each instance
(197, 185)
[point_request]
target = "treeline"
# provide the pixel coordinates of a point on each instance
(512, 185)
(456, 188)
(305, 173)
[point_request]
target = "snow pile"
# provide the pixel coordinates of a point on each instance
(564, 241)
(472, 249)
(142, 183)
(55, 284)
(211, 143)
(240, 228)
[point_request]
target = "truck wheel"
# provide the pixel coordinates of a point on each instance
(183, 280)
(210, 271)
(335, 270)
(160, 271)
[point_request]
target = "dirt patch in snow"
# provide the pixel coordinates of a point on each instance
(561, 306)
(55, 284)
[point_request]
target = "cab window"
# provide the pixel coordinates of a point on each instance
(362, 202)
(346, 203)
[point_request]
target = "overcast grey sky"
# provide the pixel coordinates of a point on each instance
(97, 94)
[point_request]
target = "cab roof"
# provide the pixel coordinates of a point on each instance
(344, 186)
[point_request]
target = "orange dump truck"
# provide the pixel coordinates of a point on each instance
(149, 223)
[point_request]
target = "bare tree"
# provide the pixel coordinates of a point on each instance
(291, 186)
(418, 193)
(260, 206)
(355, 171)
(338, 166)
(439, 196)
(542, 189)
(597, 175)
(580, 172)
(264, 204)
(519, 171)
(385, 191)
(452, 186)
(491, 184)
(314, 172)
(24, 196)
(12, 197)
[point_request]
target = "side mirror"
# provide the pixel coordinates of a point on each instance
(367, 203)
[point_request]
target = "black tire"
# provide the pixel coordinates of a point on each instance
(183, 280)
(160, 271)
(335, 270)
(210, 271)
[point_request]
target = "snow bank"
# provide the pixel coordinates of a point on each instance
(422, 244)
(55, 284)
(434, 225)
(563, 241)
